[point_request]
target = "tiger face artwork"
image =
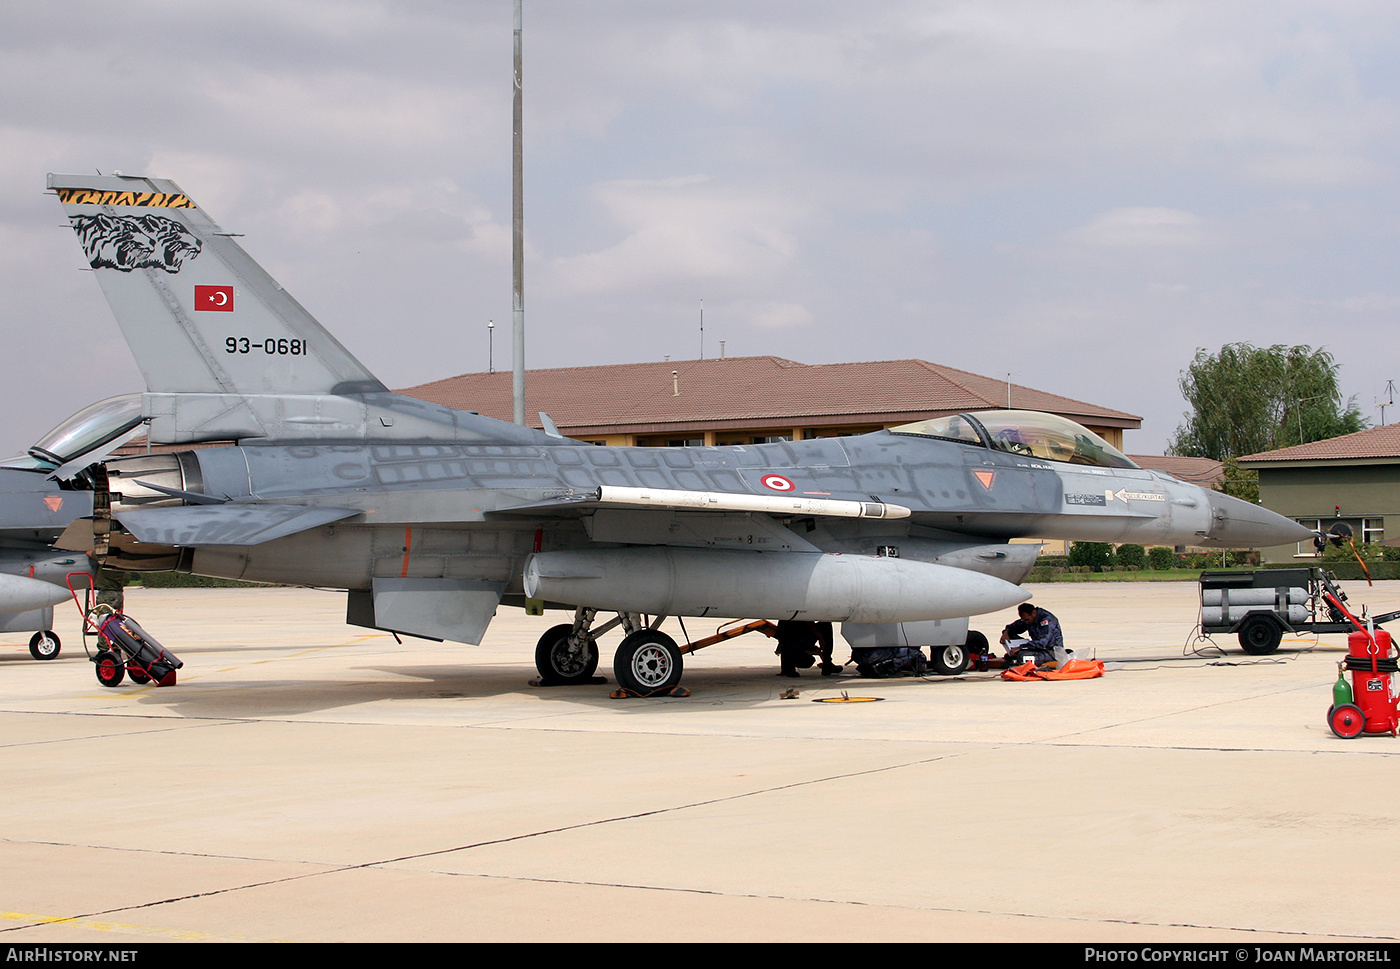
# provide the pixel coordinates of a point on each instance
(127, 242)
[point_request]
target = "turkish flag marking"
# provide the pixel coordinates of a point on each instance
(218, 299)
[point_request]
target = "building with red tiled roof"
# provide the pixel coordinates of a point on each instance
(1354, 479)
(1205, 472)
(740, 400)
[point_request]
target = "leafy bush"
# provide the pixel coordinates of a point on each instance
(1160, 557)
(1131, 556)
(183, 580)
(1096, 556)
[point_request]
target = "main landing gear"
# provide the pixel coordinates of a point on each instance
(647, 662)
(567, 655)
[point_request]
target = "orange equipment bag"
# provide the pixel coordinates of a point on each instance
(1075, 669)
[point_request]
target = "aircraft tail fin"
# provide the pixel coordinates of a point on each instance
(201, 317)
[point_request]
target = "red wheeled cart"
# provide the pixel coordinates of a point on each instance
(1375, 705)
(125, 648)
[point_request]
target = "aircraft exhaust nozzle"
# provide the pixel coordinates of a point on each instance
(19, 593)
(773, 585)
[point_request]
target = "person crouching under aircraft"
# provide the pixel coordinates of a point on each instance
(1044, 642)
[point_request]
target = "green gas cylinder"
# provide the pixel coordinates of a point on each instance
(1341, 690)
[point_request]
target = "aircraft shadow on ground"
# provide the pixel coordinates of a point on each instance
(232, 695)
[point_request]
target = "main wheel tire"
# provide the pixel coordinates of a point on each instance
(44, 645)
(948, 660)
(976, 643)
(648, 662)
(558, 664)
(110, 668)
(1260, 635)
(1347, 721)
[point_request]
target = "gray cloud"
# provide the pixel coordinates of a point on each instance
(1079, 193)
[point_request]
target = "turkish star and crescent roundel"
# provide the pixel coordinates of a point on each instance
(777, 482)
(218, 299)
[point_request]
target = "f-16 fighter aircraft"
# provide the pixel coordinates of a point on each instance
(431, 517)
(35, 508)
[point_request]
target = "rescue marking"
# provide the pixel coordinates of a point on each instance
(1087, 499)
(986, 477)
(777, 482)
(55, 502)
(1124, 495)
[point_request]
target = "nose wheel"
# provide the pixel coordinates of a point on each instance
(44, 645)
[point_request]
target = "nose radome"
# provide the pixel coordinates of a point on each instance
(1239, 524)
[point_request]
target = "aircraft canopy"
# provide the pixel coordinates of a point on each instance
(1029, 433)
(88, 430)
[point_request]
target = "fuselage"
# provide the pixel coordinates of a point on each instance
(460, 510)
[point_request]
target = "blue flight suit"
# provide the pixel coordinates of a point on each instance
(1043, 632)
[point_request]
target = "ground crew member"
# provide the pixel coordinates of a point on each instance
(799, 643)
(1044, 641)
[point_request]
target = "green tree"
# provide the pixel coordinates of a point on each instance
(1238, 482)
(1245, 399)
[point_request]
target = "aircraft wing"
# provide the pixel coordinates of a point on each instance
(227, 524)
(611, 496)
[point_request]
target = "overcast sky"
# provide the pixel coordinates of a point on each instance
(1080, 193)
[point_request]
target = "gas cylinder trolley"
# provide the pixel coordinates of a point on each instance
(124, 648)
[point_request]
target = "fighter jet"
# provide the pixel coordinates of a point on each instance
(37, 504)
(430, 518)
(34, 510)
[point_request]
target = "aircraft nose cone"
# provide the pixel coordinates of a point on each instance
(1240, 524)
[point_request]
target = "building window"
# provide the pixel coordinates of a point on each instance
(1372, 530)
(1306, 548)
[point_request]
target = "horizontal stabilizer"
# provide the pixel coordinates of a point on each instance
(231, 524)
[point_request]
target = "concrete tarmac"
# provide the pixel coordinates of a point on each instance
(312, 781)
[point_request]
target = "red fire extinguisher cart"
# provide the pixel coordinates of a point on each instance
(1375, 706)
